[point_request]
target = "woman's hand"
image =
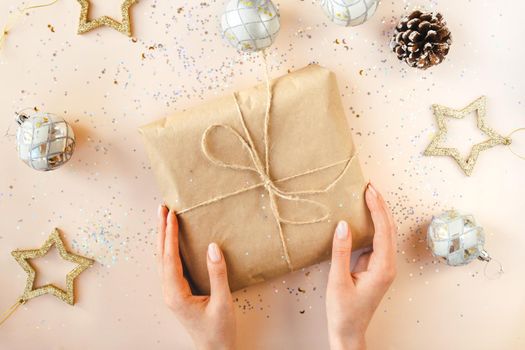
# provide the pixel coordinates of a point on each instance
(352, 297)
(210, 320)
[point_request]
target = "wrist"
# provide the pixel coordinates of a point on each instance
(354, 342)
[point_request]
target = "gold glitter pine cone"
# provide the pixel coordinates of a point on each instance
(421, 39)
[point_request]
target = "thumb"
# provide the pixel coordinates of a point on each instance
(341, 252)
(219, 287)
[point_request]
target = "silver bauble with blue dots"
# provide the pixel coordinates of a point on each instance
(349, 12)
(44, 141)
(250, 25)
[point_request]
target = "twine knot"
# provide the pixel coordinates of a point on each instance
(267, 182)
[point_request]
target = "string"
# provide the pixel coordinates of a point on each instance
(14, 18)
(509, 144)
(11, 310)
(497, 274)
(267, 113)
(485, 257)
(262, 169)
(261, 184)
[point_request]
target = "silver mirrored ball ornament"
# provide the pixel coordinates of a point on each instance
(456, 238)
(250, 25)
(349, 13)
(44, 141)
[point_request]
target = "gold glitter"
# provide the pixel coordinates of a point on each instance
(86, 25)
(67, 295)
(442, 112)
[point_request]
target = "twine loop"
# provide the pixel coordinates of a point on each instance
(264, 173)
(516, 153)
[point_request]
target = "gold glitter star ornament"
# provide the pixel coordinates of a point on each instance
(67, 295)
(86, 25)
(442, 112)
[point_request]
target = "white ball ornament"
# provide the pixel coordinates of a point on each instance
(44, 141)
(456, 238)
(250, 25)
(349, 13)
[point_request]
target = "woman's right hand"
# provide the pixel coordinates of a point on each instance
(353, 297)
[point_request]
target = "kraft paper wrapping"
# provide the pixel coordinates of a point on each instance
(308, 130)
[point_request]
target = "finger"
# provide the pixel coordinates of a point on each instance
(391, 221)
(393, 226)
(383, 253)
(175, 284)
(341, 252)
(219, 288)
(386, 208)
(162, 214)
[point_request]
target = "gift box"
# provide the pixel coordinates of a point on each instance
(268, 185)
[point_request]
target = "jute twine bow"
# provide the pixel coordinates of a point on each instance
(263, 171)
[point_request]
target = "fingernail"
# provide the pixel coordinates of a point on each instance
(214, 253)
(342, 230)
(372, 190)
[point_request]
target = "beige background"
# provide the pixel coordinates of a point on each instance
(104, 200)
